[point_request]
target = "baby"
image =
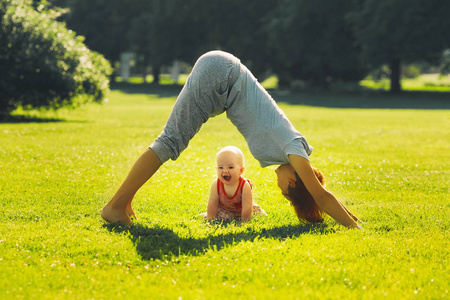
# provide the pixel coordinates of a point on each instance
(231, 194)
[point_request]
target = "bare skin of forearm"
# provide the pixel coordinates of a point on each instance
(118, 209)
(213, 202)
(211, 212)
(246, 214)
(333, 207)
(326, 200)
(247, 203)
(350, 213)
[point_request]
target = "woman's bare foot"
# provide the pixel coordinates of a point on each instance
(115, 215)
(130, 212)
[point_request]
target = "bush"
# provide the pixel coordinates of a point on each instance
(410, 71)
(43, 64)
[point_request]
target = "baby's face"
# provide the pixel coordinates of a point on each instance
(229, 167)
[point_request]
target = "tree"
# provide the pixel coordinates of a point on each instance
(395, 31)
(105, 24)
(445, 63)
(312, 41)
(164, 31)
(242, 32)
(183, 30)
(43, 64)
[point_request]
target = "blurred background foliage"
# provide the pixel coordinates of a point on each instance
(43, 64)
(302, 42)
(316, 42)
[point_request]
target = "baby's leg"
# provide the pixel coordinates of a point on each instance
(257, 210)
(223, 214)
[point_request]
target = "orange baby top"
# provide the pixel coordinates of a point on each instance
(232, 204)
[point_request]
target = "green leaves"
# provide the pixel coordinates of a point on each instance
(43, 64)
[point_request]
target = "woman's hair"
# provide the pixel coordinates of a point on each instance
(303, 202)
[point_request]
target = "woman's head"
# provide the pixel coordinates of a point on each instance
(294, 190)
(303, 202)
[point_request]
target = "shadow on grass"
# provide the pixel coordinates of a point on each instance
(12, 119)
(366, 99)
(163, 91)
(163, 243)
(359, 98)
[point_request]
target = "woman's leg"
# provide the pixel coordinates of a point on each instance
(118, 209)
(184, 122)
(195, 104)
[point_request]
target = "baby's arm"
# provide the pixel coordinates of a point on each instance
(247, 202)
(213, 203)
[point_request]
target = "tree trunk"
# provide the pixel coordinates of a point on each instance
(156, 74)
(112, 77)
(144, 77)
(395, 76)
(175, 72)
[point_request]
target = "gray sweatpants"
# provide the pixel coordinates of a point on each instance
(203, 96)
(219, 82)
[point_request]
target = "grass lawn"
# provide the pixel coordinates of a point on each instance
(424, 82)
(390, 167)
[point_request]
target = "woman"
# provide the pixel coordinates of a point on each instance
(218, 83)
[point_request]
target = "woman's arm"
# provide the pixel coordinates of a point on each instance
(213, 203)
(326, 200)
(350, 213)
(247, 202)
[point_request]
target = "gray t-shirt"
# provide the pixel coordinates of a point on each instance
(269, 134)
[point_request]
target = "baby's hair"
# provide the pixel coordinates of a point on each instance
(303, 202)
(234, 150)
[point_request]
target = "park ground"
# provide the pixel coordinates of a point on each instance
(385, 156)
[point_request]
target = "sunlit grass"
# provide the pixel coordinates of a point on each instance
(390, 167)
(269, 83)
(424, 82)
(164, 79)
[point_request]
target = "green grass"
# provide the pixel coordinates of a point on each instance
(390, 167)
(424, 82)
(164, 79)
